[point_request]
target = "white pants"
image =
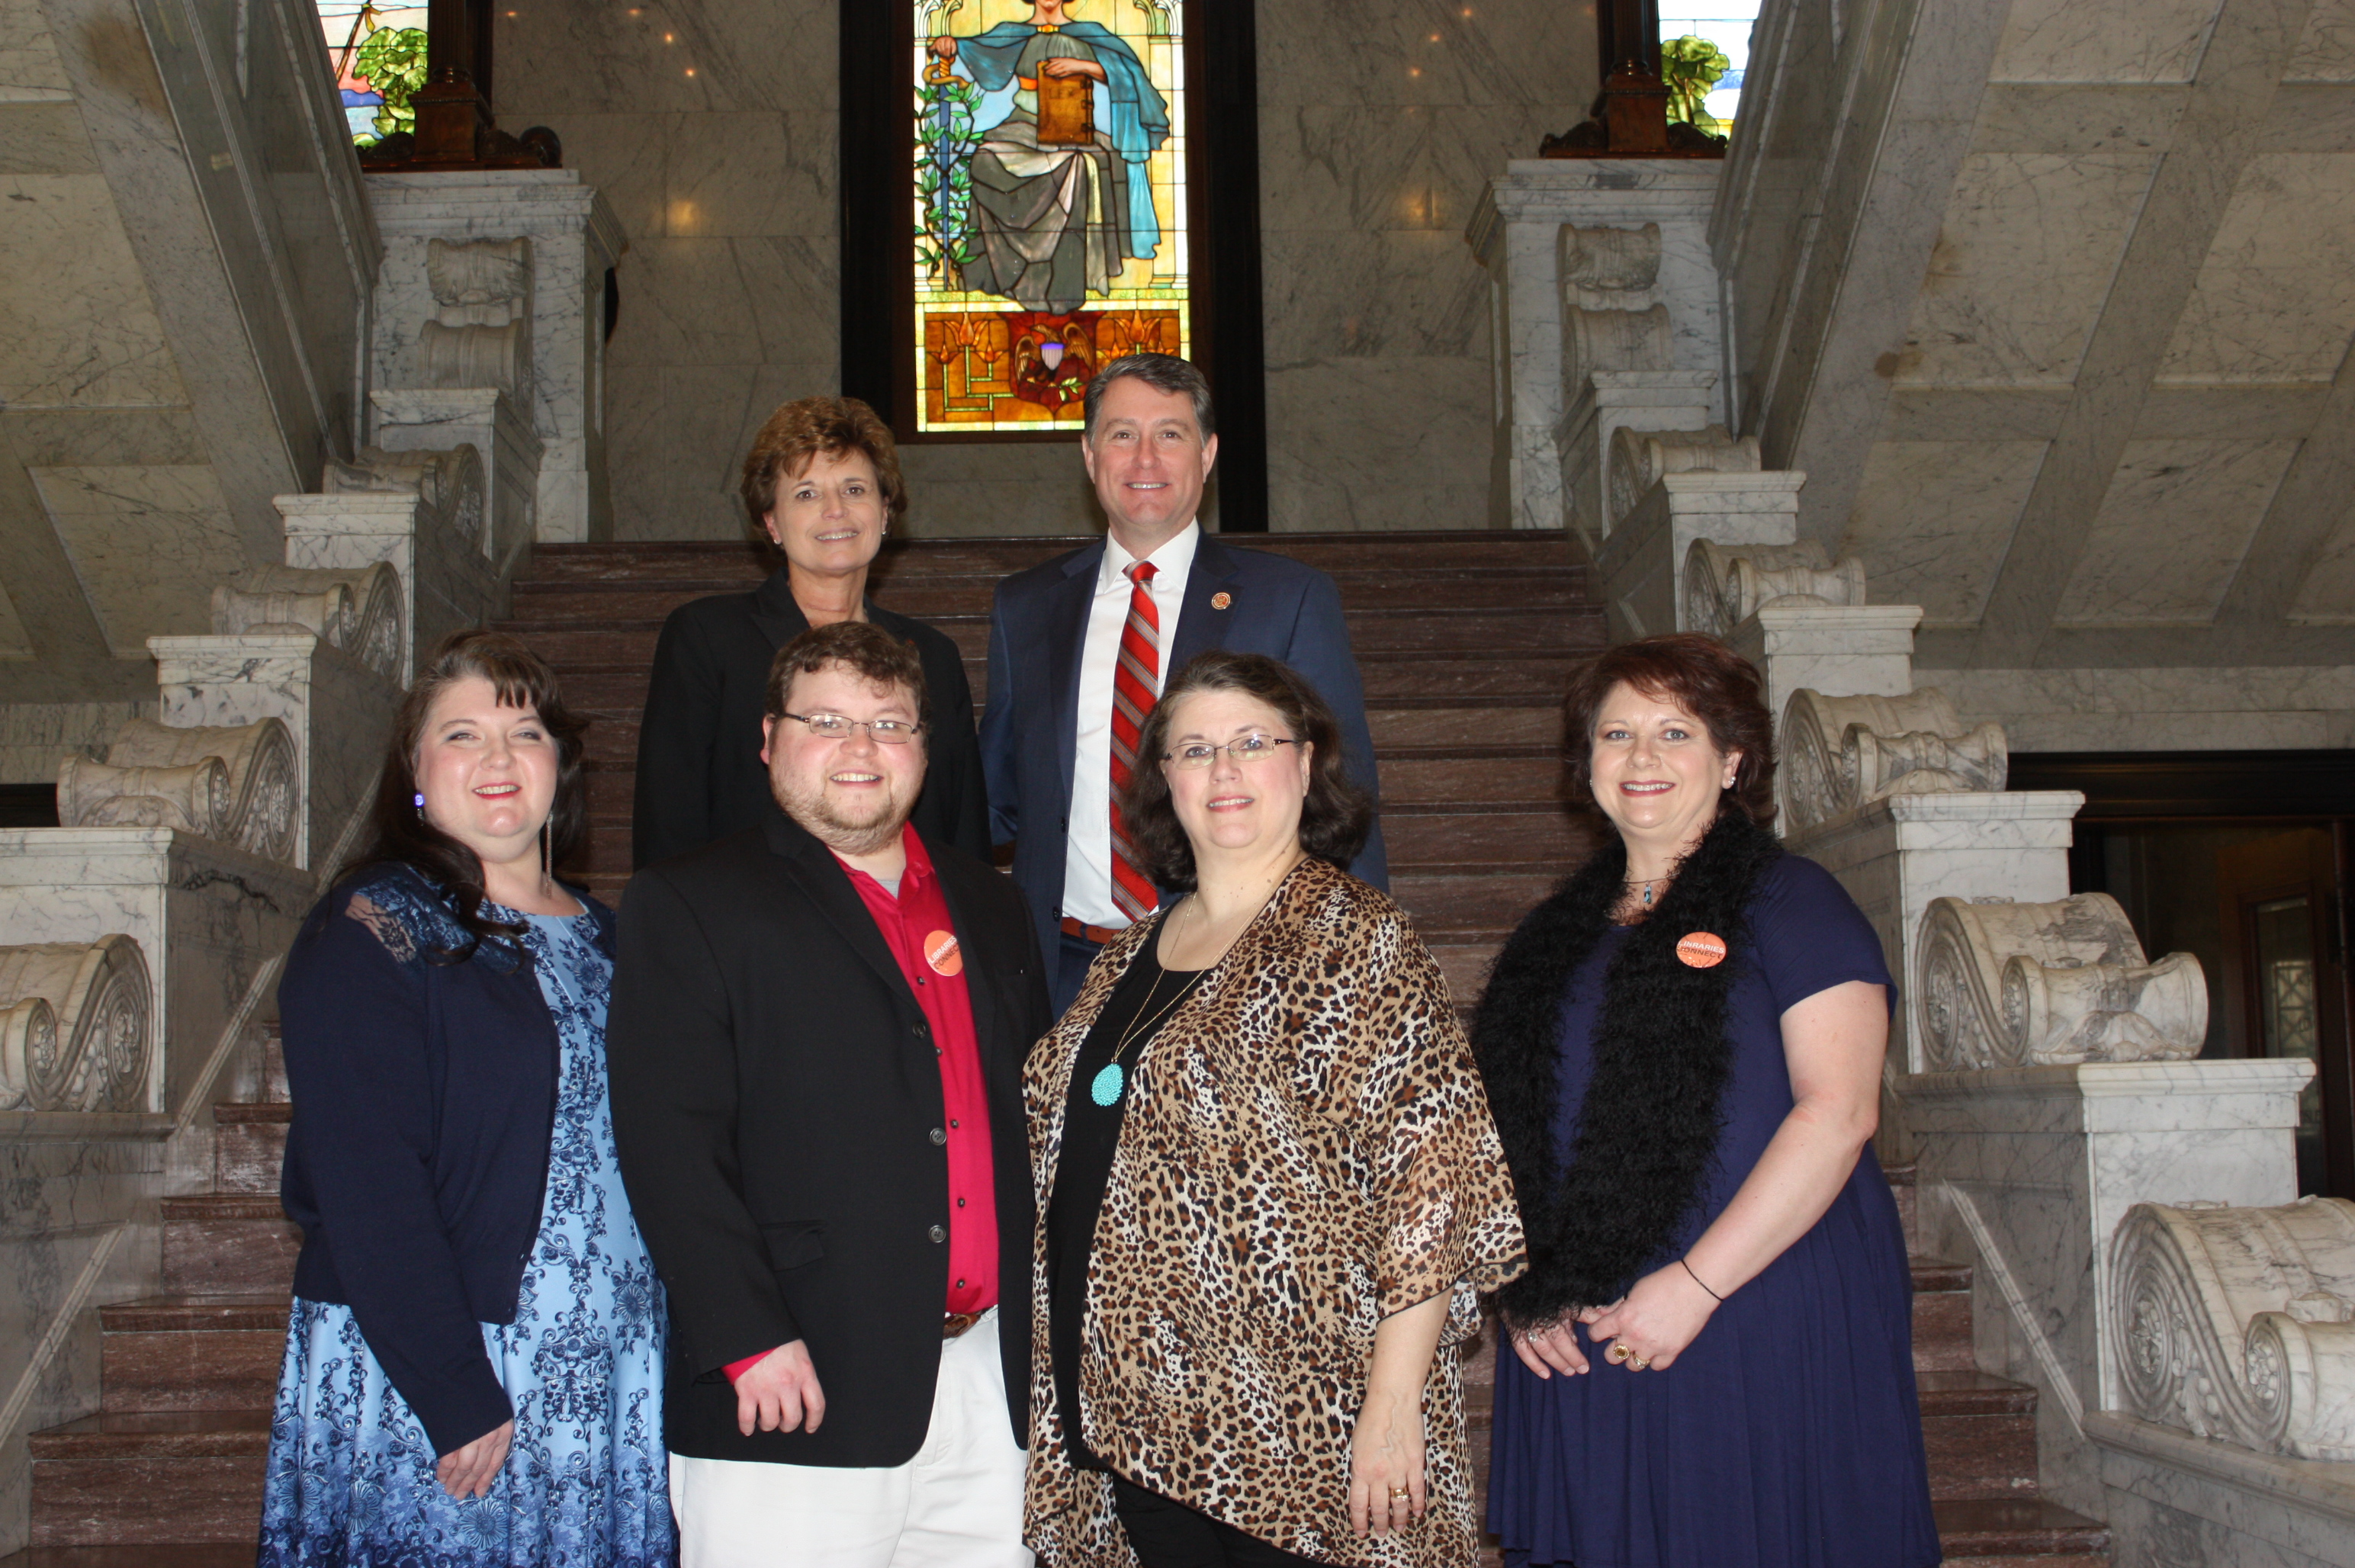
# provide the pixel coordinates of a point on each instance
(957, 1504)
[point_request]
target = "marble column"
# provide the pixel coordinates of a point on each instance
(574, 242)
(2025, 1173)
(1516, 232)
(2172, 1497)
(1641, 561)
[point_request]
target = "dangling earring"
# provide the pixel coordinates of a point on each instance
(543, 850)
(419, 799)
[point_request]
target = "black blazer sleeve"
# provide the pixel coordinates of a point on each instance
(355, 1019)
(955, 807)
(670, 1049)
(678, 737)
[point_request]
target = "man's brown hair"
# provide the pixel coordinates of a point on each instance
(865, 649)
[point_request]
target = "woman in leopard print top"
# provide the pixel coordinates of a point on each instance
(1269, 1186)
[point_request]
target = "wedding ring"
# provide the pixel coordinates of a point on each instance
(1639, 1363)
(1399, 1494)
(1620, 1350)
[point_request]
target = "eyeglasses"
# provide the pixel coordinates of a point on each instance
(835, 727)
(1247, 749)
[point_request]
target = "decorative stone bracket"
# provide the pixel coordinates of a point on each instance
(1641, 458)
(1840, 753)
(237, 784)
(480, 332)
(75, 1027)
(2020, 985)
(449, 483)
(2239, 1324)
(1724, 587)
(358, 610)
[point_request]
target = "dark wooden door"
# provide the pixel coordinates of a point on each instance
(2286, 982)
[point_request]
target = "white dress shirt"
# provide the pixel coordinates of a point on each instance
(1087, 863)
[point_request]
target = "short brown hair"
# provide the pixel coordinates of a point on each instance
(1163, 373)
(798, 432)
(865, 649)
(1699, 674)
(1334, 819)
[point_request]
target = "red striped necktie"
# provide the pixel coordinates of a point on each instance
(1135, 680)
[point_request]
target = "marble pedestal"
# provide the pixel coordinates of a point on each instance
(439, 419)
(446, 581)
(338, 710)
(1894, 855)
(2172, 1497)
(575, 240)
(1516, 233)
(207, 918)
(1866, 650)
(1641, 561)
(2025, 1173)
(1601, 404)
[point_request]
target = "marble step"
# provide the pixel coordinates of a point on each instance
(1987, 1532)
(1981, 1434)
(1333, 552)
(182, 1477)
(1563, 589)
(1942, 1316)
(197, 1352)
(250, 1145)
(228, 1244)
(238, 1554)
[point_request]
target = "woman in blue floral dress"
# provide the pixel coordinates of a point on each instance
(474, 1369)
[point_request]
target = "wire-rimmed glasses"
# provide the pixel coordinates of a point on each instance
(1245, 748)
(835, 727)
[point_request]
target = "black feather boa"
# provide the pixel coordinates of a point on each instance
(1649, 1126)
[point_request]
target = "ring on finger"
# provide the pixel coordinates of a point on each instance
(1620, 1352)
(1639, 1363)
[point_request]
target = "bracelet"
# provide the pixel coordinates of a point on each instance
(1697, 1280)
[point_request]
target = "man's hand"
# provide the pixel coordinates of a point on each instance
(778, 1392)
(468, 1472)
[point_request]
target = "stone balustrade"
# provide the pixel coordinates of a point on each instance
(1840, 753)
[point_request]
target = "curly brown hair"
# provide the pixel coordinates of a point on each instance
(1335, 816)
(865, 649)
(798, 432)
(1699, 674)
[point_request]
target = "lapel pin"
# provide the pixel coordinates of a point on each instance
(1701, 949)
(1221, 599)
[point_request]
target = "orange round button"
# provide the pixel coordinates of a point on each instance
(1221, 600)
(940, 953)
(1701, 949)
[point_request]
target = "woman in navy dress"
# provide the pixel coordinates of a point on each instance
(1712, 1360)
(473, 1375)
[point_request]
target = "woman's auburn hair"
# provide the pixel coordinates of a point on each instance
(1699, 673)
(397, 831)
(1335, 816)
(801, 430)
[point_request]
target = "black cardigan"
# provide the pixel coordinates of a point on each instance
(700, 771)
(424, 1101)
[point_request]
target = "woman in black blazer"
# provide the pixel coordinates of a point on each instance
(821, 483)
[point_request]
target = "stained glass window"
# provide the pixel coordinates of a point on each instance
(1051, 205)
(349, 25)
(1715, 36)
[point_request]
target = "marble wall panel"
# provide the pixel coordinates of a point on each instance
(95, 341)
(1377, 443)
(2022, 267)
(2103, 40)
(43, 138)
(14, 642)
(2264, 310)
(2172, 530)
(2158, 710)
(2326, 595)
(1933, 518)
(2325, 50)
(30, 70)
(148, 545)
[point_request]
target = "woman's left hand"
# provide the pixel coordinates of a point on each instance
(1386, 1484)
(1657, 1320)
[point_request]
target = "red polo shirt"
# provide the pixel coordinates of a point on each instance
(917, 928)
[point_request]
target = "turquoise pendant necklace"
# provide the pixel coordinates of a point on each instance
(1111, 1079)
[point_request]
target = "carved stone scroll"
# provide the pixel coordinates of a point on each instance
(474, 356)
(451, 482)
(1640, 457)
(1725, 586)
(75, 1026)
(358, 610)
(1610, 261)
(2021, 985)
(1616, 340)
(1840, 753)
(480, 332)
(479, 271)
(2239, 1324)
(233, 784)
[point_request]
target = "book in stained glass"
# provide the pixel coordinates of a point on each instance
(1049, 199)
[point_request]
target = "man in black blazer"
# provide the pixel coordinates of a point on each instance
(816, 1040)
(1156, 592)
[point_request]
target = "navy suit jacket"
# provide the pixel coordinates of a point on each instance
(1030, 731)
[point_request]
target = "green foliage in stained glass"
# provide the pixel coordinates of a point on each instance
(945, 141)
(1691, 66)
(393, 61)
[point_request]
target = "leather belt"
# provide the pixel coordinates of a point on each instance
(954, 1324)
(1099, 934)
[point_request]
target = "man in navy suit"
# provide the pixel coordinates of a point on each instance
(1079, 648)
